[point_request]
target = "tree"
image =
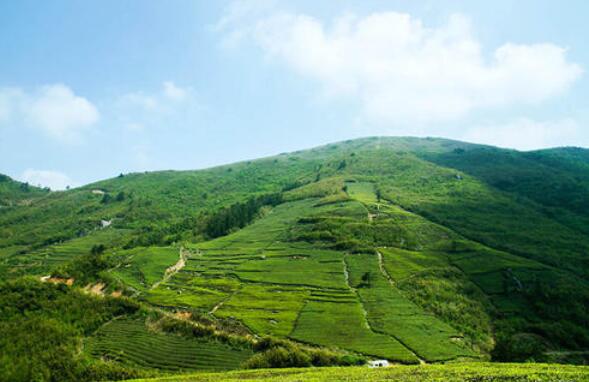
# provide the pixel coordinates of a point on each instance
(97, 249)
(120, 196)
(106, 198)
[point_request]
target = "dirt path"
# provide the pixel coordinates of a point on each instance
(96, 289)
(383, 270)
(366, 322)
(393, 284)
(171, 271)
(220, 303)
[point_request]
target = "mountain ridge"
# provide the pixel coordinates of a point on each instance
(422, 248)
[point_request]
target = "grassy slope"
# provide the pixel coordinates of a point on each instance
(14, 193)
(457, 259)
(131, 343)
(450, 372)
(474, 207)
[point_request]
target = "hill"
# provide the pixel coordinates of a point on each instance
(414, 250)
(14, 193)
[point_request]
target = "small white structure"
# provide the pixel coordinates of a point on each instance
(378, 363)
(105, 223)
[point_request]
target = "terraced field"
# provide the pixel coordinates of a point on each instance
(141, 267)
(39, 261)
(390, 312)
(327, 297)
(129, 341)
(376, 248)
(342, 324)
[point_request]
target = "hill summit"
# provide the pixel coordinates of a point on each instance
(407, 249)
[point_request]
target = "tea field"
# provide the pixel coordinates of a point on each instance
(449, 372)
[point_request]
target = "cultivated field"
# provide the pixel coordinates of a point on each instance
(451, 373)
(130, 342)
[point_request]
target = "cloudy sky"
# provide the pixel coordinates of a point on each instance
(92, 89)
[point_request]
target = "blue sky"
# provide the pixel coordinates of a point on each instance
(92, 89)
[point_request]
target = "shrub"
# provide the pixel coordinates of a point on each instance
(519, 347)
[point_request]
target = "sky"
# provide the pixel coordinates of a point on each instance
(91, 89)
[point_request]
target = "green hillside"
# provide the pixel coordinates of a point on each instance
(13, 193)
(413, 250)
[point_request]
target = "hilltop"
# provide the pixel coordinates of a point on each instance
(416, 250)
(13, 192)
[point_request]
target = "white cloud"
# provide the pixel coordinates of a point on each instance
(526, 134)
(59, 112)
(140, 99)
(54, 109)
(10, 99)
(155, 101)
(174, 92)
(55, 180)
(141, 111)
(237, 12)
(402, 71)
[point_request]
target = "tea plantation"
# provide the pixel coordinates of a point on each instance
(450, 372)
(417, 251)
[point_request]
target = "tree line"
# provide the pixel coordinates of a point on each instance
(238, 215)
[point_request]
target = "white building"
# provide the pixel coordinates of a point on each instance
(378, 363)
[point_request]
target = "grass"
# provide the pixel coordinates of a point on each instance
(451, 372)
(390, 312)
(185, 296)
(141, 268)
(342, 324)
(433, 313)
(480, 256)
(401, 264)
(255, 305)
(14, 193)
(362, 191)
(318, 269)
(43, 260)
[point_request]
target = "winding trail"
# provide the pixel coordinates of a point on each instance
(383, 270)
(223, 301)
(171, 271)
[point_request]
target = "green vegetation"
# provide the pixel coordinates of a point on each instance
(450, 372)
(140, 268)
(400, 248)
(130, 342)
(238, 215)
(389, 311)
(342, 323)
(41, 331)
(14, 193)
